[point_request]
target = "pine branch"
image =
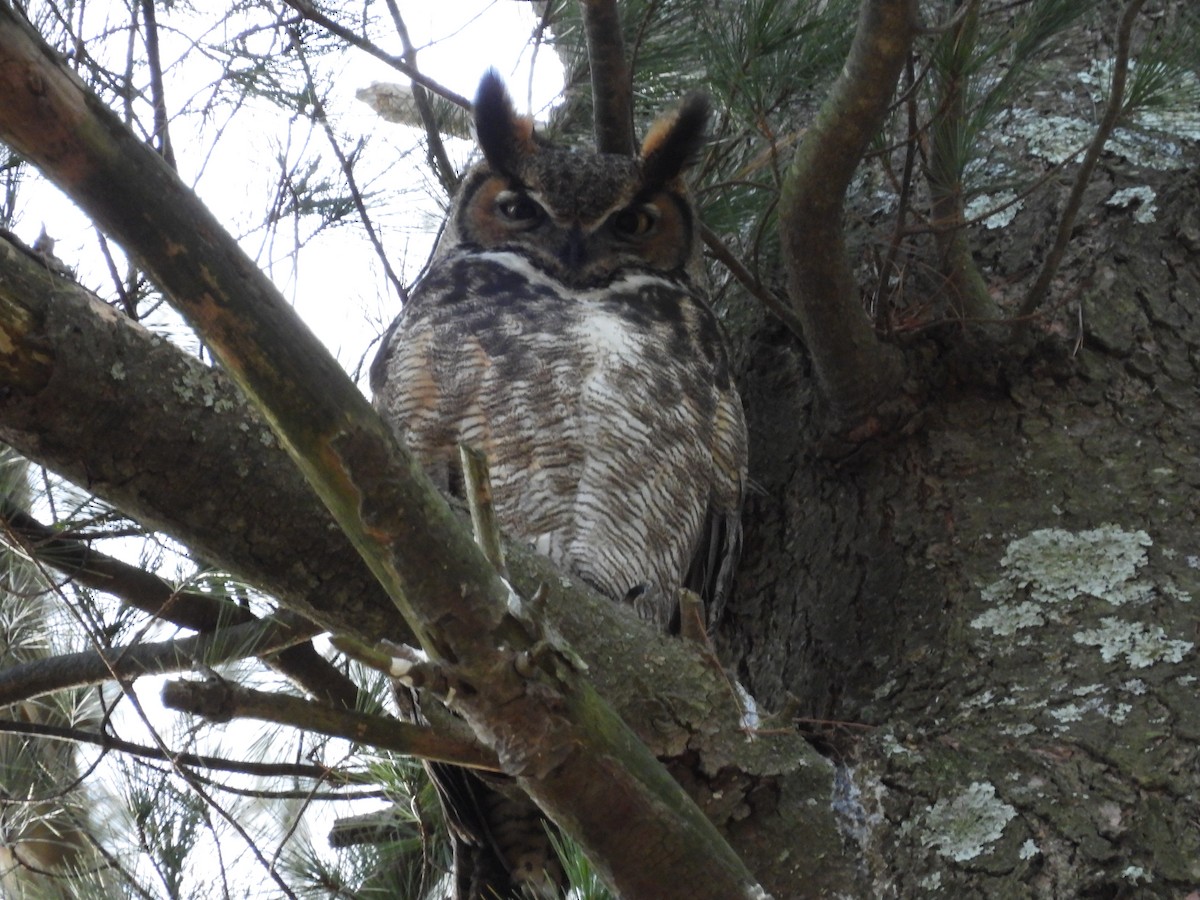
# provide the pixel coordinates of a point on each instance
(314, 15)
(439, 162)
(34, 678)
(109, 743)
(1112, 115)
(188, 609)
(612, 83)
(219, 700)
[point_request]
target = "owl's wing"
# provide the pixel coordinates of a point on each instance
(715, 561)
(720, 545)
(378, 371)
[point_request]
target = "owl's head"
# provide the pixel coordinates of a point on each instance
(581, 217)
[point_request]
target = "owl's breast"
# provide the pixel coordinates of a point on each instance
(594, 408)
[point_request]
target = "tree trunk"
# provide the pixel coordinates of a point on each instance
(1000, 652)
(1006, 598)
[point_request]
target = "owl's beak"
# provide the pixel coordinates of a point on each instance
(574, 252)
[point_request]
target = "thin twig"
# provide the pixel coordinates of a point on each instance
(1112, 114)
(322, 117)
(108, 743)
(151, 594)
(902, 209)
(314, 15)
(438, 160)
(45, 675)
(769, 298)
(158, 94)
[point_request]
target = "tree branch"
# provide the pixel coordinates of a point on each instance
(189, 609)
(1112, 114)
(107, 742)
(76, 373)
(46, 675)
(856, 371)
(314, 15)
(549, 728)
(219, 700)
(612, 83)
(439, 162)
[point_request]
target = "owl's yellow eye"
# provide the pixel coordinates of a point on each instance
(519, 208)
(635, 221)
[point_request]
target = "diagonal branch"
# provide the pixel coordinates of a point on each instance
(439, 161)
(77, 374)
(189, 609)
(314, 15)
(523, 697)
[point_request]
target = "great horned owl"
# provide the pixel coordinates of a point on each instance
(561, 329)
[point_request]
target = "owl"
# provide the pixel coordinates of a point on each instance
(562, 330)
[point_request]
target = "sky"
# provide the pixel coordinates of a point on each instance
(337, 284)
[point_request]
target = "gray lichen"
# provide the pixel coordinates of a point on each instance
(961, 828)
(1053, 575)
(1140, 644)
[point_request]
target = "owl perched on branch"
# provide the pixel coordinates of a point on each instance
(562, 331)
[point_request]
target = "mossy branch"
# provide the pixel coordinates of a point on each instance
(856, 371)
(549, 728)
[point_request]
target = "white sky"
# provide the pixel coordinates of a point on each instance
(337, 283)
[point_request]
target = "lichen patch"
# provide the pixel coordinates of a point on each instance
(961, 828)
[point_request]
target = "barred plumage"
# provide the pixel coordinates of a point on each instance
(561, 330)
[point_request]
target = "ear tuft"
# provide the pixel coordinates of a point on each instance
(674, 141)
(504, 137)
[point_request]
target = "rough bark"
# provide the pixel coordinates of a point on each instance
(1007, 600)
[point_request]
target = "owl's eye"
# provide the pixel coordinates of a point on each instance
(635, 221)
(519, 208)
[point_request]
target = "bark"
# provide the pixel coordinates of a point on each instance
(515, 682)
(858, 373)
(1003, 607)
